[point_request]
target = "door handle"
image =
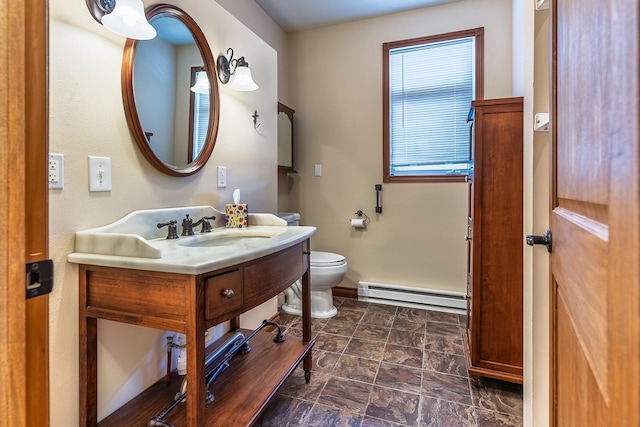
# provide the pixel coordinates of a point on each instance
(540, 240)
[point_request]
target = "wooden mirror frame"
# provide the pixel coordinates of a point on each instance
(289, 112)
(128, 97)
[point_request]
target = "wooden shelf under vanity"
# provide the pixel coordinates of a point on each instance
(191, 304)
(241, 392)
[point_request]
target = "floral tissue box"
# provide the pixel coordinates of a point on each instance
(236, 215)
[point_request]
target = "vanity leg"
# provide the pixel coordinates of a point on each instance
(88, 371)
(306, 317)
(196, 387)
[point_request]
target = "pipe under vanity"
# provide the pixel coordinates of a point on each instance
(215, 364)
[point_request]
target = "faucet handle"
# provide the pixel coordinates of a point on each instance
(187, 226)
(173, 228)
(206, 226)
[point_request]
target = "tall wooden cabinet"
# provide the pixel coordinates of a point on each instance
(495, 241)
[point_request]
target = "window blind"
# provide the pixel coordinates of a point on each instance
(431, 88)
(201, 120)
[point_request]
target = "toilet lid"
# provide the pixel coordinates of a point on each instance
(319, 259)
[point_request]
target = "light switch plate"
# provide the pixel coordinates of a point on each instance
(222, 176)
(317, 170)
(99, 173)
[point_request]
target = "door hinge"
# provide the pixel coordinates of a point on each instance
(39, 278)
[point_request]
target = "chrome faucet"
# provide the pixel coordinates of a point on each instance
(172, 227)
(187, 226)
(206, 225)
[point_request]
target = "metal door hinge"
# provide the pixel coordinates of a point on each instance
(39, 278)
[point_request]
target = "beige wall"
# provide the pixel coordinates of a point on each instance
(87, 118)
(336, 90)
(540, 287)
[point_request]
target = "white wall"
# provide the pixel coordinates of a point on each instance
(87, 118)
(336, 90)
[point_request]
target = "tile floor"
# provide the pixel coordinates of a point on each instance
(382, 365)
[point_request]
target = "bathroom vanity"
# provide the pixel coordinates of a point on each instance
(190, 300)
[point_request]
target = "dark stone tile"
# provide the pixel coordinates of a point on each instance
(462, 319)
(412, 314)
(440, 328)
(441, 316)
(406, 338)
(287, 319)
(393, 405)
(285, 411)
(337, 301)
(295, 385)
(446, 387)
(331, 342)
(486, 418)
(402, 355)
(372, 332)
(376, 422)
(349, 315)
(444, 344)
(354, 304)
(445, 363)
(296, 332)
(324, 361)
(340, 327)
(408, 325)
(440, 413)
(356, 368)
(378, 318)
(383, 308)
(399, 377)
(323, 416)
(345, 394)
(498, 396)
(365, 348)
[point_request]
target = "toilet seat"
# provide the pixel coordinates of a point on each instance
(326, 259)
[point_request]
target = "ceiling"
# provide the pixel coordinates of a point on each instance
(298, 15)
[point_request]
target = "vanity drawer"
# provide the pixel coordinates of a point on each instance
(223, 294)
(273, 274)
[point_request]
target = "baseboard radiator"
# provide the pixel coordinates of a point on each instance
(429, 299)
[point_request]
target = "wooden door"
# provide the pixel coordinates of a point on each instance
(24, 324)
(595, 215)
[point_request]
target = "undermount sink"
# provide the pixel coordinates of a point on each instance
(135, 241)
(228, 237)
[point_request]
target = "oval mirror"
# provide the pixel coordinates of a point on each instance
(170, 93)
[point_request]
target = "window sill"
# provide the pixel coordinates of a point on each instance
(430, 178)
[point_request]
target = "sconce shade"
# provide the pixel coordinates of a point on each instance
(202, 83)
(242, 79)
(128, 20)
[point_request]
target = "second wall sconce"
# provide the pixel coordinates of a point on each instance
(123, 17)
(242, 79)
(202, 82)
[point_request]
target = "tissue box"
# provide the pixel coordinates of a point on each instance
(236, 215)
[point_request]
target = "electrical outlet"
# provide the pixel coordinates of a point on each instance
(222, 176)
(56, 171)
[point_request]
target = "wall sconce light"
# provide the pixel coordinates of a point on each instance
(242, 79)
(123, 17)
(202, 82)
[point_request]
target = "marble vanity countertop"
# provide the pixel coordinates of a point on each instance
(135, 242)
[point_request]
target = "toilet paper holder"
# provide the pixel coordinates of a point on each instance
(360, 214)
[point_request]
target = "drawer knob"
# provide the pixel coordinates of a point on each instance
(227, 293)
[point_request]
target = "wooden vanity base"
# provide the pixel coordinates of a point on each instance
(241, 392)
(191, 304)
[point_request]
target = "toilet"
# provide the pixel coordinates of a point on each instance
(327, 271)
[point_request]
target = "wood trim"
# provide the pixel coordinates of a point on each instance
(553, 133)
(36, 209)
(344, 292)
(12, 246)
(478, 33)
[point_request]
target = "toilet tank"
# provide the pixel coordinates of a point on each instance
(292, 218)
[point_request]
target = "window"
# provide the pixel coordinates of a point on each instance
(428, 87)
